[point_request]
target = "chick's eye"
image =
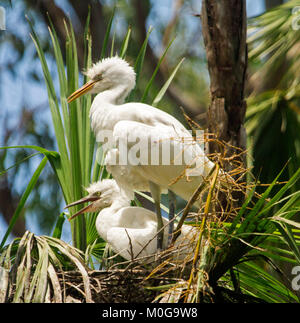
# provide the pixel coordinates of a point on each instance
(98, 193)
(98, 77)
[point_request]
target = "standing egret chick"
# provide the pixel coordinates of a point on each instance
(130, 230)
(158, 133)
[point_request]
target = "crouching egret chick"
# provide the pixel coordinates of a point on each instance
(112, 79)
(131, 231)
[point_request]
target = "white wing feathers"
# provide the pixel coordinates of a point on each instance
(135, 235)
(157, 153)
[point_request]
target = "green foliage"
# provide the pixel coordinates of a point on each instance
(78, 160)
(257, 233)
(49, 156)
(239, 254)
(273, 118)
(249, 255)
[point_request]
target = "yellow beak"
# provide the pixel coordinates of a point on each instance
(88, 208)
(84, 89)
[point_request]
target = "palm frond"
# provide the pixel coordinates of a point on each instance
(273, 117)
(29, 269)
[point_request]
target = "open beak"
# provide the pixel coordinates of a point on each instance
(88, 208)
(84, 89)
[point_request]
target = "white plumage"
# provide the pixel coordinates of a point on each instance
(130, 231)
(113, 79)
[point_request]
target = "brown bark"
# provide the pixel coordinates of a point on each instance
(224, 24)
(224, 33)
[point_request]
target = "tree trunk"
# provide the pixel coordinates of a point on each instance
(224, 25)
(224, 28)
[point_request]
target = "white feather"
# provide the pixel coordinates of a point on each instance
(131, 231)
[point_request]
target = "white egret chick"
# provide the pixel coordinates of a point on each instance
(130, 230)
(112, 79)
